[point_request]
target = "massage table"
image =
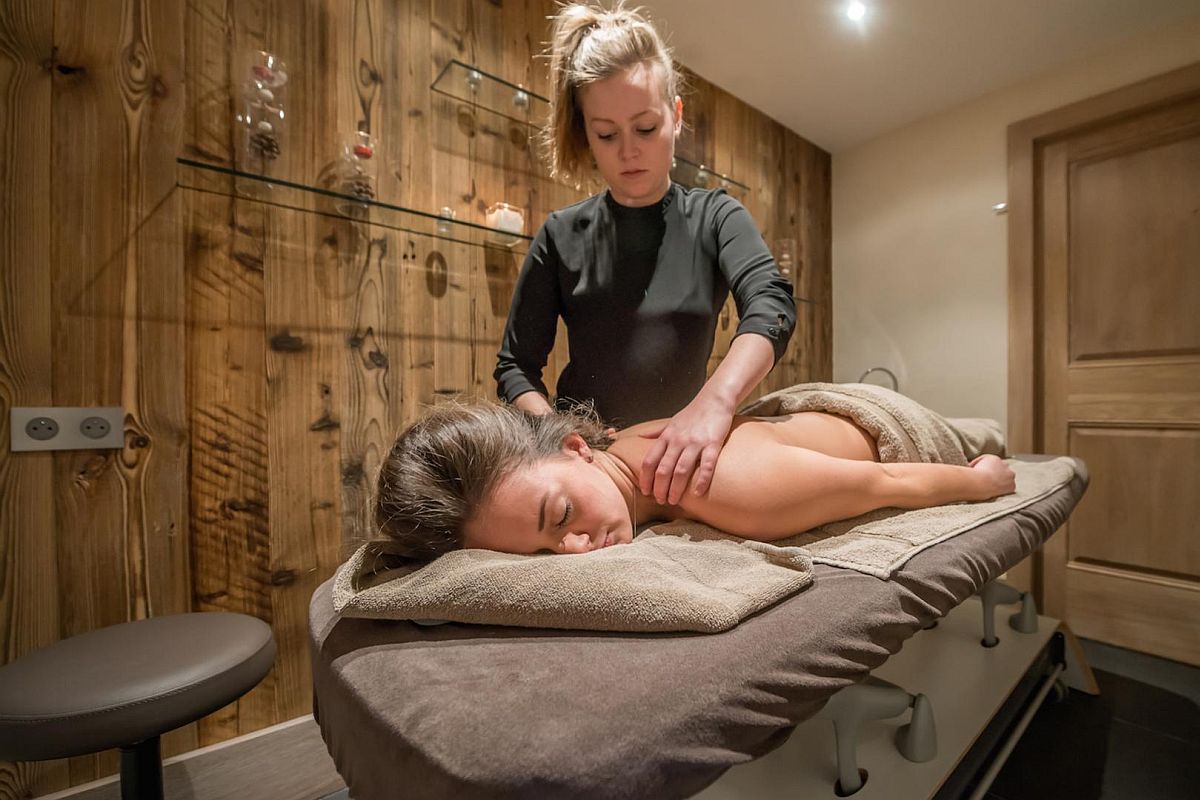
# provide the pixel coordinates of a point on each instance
(469, 711)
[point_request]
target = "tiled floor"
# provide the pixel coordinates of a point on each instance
(1138, 740)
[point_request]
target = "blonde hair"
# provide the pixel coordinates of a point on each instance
(587, 44)
(445, 465)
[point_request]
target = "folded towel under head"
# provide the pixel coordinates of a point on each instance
(655, 583)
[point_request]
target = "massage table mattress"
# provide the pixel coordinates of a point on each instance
(468, 711)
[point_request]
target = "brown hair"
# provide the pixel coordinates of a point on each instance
(445, 464)
(587, 44)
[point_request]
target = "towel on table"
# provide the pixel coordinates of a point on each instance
(904, 430)
(655, 583)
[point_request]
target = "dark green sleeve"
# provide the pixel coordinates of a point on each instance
(764, 299)
(532, 323)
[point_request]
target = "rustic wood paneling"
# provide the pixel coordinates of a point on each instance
(28, 529)
(98, 296)
(699, 118)
(227, 397)
(267, 356)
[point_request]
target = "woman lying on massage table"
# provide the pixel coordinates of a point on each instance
(490, 476)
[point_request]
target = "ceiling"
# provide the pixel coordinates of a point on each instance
(839, 83)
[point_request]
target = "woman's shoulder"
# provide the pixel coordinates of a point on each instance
(705, 196)
(632, 432)
(579, 209)
(709, 207)
(570, 221)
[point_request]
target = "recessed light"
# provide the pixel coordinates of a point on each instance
(856, 11)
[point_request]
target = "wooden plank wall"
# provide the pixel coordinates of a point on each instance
(267, 356)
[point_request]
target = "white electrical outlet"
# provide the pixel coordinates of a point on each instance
(66, 428)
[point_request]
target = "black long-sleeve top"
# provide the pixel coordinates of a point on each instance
(640, 290)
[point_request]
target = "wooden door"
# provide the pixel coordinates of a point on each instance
(1116, 245)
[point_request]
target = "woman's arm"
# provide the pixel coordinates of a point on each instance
(692, 440)
(765, 491)
(764, 298)
(748, 361)
(531, 327)
(925, 485)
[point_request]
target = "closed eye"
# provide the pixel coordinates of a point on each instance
(604, 137)
(566, 514)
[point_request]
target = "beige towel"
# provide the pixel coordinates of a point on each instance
(656, 583)
(904, 430)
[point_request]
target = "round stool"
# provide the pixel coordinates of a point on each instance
(126, 685)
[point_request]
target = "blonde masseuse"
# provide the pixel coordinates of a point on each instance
(640, 272)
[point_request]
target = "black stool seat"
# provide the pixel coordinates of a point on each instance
(129, 683)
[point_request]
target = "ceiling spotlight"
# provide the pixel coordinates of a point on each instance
(856, 11)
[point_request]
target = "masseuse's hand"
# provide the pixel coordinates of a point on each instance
(687, 443)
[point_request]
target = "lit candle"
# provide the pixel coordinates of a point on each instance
(507, 218)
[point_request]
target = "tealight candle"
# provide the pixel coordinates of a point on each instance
(505, 217)
(445, 217)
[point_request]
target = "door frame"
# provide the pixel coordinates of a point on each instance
(1026, 369)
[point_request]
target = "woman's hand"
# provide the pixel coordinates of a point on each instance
(533, 403)
(691, 440)
(687, 443)
(998, 477)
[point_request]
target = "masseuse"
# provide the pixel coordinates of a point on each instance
(639, 273)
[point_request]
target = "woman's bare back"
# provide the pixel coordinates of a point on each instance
(763, 478)
(830, 434)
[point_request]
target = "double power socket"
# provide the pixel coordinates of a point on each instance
(66, 428)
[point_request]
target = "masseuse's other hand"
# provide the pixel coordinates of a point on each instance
(533, 403)
(687, 443)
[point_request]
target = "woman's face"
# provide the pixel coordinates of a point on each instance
(631, 130)
(565, 504)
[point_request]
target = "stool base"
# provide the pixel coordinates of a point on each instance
(141, 771)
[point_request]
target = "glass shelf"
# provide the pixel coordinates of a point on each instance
(689, 173)
(219, 179)
(471, 85)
